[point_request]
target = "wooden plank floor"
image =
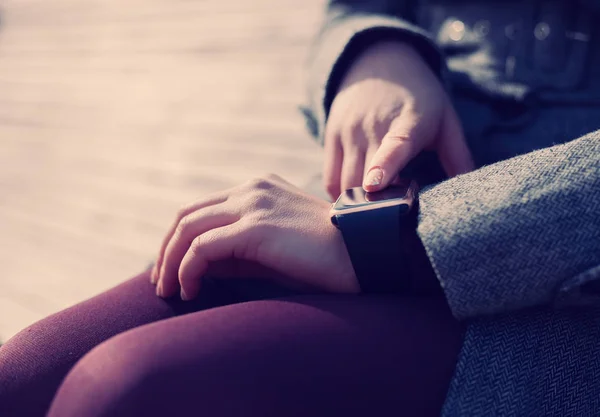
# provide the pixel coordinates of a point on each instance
(115, 113)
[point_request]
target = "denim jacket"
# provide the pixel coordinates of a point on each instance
(521, 232)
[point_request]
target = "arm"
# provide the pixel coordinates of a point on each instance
(518, 233)
(349, 27)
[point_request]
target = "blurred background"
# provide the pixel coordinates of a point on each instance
(115, 113)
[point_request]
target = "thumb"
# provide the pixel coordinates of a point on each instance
(397, 148)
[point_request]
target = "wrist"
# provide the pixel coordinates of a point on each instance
(382, 60)
(390, 50)
(372, 226)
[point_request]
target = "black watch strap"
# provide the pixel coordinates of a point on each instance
(374, 240)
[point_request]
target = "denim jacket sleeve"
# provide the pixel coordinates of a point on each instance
(350, 26)
(519, 233)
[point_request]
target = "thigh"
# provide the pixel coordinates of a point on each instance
(298, 356)
(33, 363)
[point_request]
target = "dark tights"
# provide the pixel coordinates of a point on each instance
(241, 349)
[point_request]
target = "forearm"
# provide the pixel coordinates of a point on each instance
(518, 233)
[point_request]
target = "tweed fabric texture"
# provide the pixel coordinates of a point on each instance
(519, 232)
(536, 363)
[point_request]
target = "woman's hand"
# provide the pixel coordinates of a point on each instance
(267, 223)
(390, 106)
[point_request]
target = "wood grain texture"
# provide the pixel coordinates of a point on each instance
(115, 113)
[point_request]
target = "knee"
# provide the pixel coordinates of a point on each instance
(113, 379)
(226, 361)
(159, 370)
(32, 365)
(258, 358)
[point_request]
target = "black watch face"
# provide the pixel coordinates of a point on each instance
(357, 197)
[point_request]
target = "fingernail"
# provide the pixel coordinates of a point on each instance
(159, 289)
(184, 296)
(374, 177)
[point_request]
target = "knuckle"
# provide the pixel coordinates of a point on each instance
(259, 197)
(257, 207)
(261, 210)
(352, 131)
(272, 177)
(397, 137)
(183, 225)
(261, 201)
(369, 122)
(265, 182)
(264, 201)
(375, 129)
(261, 193)
(184, 211)
(200, 243)
(197, 245)
(251, 184)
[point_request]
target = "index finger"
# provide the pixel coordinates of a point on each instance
(216, 199)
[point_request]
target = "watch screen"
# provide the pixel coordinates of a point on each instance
(356, 197)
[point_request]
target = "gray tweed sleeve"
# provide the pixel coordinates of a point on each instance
(522, 232)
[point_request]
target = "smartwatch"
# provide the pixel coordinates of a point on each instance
(373, 226)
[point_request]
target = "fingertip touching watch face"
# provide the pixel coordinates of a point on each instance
(356, 199)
